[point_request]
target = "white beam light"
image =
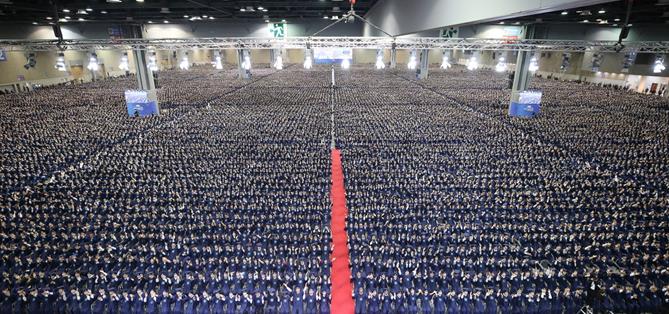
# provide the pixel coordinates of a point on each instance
(93, 63)
(345, 64)
(123, 65)
(472, 64)
(534, 65)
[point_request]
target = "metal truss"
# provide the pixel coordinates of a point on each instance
(341, 42)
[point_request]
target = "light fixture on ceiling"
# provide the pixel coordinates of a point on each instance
(150, 22)
(166, 21)
(602, 11)
(140, 1)
(211, 18)
(617, 20)
(66, 10)
(586, 21)
(185, 16)
(283, 21)
(261, 8)
(49, 18)
(114, 1)
(502, 23)
(103, 12)
(564, 13)
(81, 19)
(325, 17)
(67, 17)
(89, 9)
(35, 23)
(81, 12)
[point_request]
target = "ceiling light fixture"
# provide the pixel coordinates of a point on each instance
(602, 11)
(66, 10)
(564, 13)
(49, 18)
(89, 9)
(103, 12)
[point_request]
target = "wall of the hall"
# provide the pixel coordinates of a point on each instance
(400, 17)
(12, 72)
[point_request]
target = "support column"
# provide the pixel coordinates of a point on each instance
(522, 75)
(393, 57)
(422, 71)
(244, 63)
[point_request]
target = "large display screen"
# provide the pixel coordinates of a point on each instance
(332, 55)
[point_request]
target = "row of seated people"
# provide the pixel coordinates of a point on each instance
(216, 209)
(455, 207)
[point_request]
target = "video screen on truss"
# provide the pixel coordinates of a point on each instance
(332, 55)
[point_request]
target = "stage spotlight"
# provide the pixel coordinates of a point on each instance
(658, 66)
(60, 62)
(93, 65)
(445, 62)
(308, 62)
(501, 65)
(123, 65)
(379, 60)
(346, 64)
(412, 61)
(153, 64)
(534, 64)
(185, 63)
(472, 64)
(278, 63)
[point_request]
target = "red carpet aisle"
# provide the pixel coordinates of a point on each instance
(342, 290)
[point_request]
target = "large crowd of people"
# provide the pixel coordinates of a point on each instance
(221, 203)
(456, 207)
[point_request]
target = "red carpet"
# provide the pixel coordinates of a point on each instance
(342, 289)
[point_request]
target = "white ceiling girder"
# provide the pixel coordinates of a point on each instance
(341, 42)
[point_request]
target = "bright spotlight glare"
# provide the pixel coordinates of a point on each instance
(659, 66)
(534, 65)
(60, 63)
(345, 64)
(445, 62)
(93, 63)
(153, 66)
(218, 64)
(246, 64)
(472, 64)
(184, 64)
(379, 63)
(278, 63)
(123, 65)
(308, 63)
(501, 65)
(412, 63)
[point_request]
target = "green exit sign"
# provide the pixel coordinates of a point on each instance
(278, 30)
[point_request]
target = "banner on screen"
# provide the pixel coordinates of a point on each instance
(332, 55)
(528, 104)
(140, 103)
